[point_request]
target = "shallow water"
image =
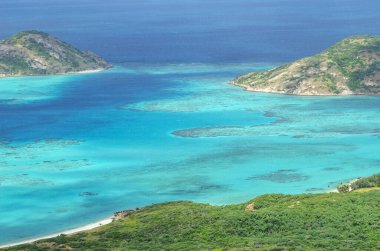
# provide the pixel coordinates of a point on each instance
(146, 134)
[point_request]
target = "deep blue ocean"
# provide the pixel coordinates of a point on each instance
(164, 124)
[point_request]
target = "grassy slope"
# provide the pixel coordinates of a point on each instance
(349, 221)
(352, 66)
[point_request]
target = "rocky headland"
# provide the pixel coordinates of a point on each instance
(350, 67)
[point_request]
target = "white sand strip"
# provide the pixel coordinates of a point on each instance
(68, 232)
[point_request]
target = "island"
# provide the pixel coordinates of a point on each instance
(348, 220)
(37, 53)
(350, 67)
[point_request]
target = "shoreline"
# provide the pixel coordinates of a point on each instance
(250, 89)
(349, 183)
(84, 72)
(87, 227)
(59, 74)
(111, 219)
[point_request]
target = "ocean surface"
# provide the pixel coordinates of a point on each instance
(164, 124)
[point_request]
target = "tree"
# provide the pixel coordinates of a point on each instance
(344, 188)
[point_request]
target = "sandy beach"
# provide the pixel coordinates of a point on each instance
(68, 232)
(58, 74)
(86, 71)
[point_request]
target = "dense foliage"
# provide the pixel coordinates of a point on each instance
(334, 221)
(368, 182)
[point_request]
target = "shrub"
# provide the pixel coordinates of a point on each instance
(344, 188)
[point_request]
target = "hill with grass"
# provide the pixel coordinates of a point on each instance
(352, 66)
(38, 53)
(330, 221)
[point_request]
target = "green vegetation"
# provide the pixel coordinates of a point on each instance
(352, 66)
(344, 188)
(38, 53)
(369, 182)
(14, 64)
(331, 221)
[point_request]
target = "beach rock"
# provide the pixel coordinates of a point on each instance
(250, 207)
(122, 214)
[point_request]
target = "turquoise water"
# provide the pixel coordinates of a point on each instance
(164, 124)
(77, 148)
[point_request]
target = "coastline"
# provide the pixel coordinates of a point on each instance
(349, 183)
(59, 74)
(111, 219)
(87, 227)
(85, 71)
(250, 89)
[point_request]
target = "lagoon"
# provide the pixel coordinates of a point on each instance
(164, 124)
(146, 134)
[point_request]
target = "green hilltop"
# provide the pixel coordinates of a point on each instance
(352, 66)
(329, 221)
(38, 53)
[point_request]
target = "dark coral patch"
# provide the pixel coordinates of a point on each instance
(87, 194)
(281, 176)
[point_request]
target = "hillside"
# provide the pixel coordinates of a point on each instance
(352, 66)
(331, 221)
(38, 53)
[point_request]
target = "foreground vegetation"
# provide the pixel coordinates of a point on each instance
(331, 221)
(352, 66)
